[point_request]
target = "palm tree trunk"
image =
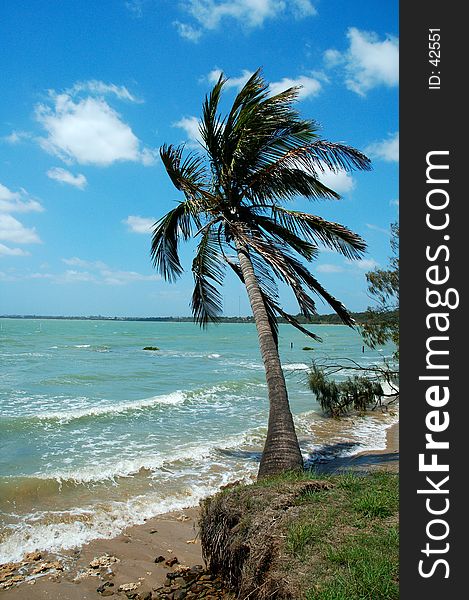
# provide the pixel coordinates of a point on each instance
(281, 452)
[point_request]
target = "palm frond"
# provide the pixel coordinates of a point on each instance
(268, 291)
(286, 184)
(313, 284)
(337, 157)
(285, 235)
(295, 275)
(211, 127)
(254, 120)
(242, 129)
(273, 307)
(291, 166)
(164, 245)
(264, 276)
(277, 259)
(286, 145)
(245, 107)
(304, 150)
(236, 268)
(316, 229)
(208, 272)
(187, 174)
(293, 321)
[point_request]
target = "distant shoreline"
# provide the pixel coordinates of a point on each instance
(329, 319)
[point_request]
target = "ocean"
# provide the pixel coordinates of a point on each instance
(97, 433)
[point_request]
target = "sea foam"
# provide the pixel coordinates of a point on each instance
(186, 455)
(81, 526)
(296, 367)
(121, 407)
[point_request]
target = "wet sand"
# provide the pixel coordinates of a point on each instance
(387, 459)
(170, 535)
(136, 549)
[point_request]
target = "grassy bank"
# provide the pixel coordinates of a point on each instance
(306, 537)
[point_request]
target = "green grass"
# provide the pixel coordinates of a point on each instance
(301, 535)
(335, 539)
(365, 568)
(346, 538)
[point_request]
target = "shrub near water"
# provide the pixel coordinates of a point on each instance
(337, 398)
(304, 537)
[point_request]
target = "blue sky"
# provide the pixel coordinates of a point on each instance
(92, 90)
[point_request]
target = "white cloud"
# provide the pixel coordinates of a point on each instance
(111, 277)
(340, 182)
(188, 32)
(328, 268)
(6, 251)
(302, 8)
(148, 156)
(40, 276)
(101, 273)
(135, 7)
(85, 264)
(232, 82)
(365, 264)
(11, 230)
(368, 62)
(333, 58)
(137, 224)
(95, 87)
(252, 13)
(71, 276)
(191, 127)
(65, 176)
(309, 86)
(379, 229)
(16, 137)
(88, 130)
(19, 202)
(387, 150)
(210, 14)
(394, 202)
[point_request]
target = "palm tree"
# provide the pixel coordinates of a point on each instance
(257, 156)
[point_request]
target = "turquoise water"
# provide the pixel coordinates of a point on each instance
(97, 433)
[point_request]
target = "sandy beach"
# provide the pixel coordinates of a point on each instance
(164, 538)
(171, 535)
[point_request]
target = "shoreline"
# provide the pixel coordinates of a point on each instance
(385, 459)
(168, 536)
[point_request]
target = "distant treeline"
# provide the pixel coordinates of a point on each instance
(332, 319)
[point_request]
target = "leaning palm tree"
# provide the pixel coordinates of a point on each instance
(258, 156)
